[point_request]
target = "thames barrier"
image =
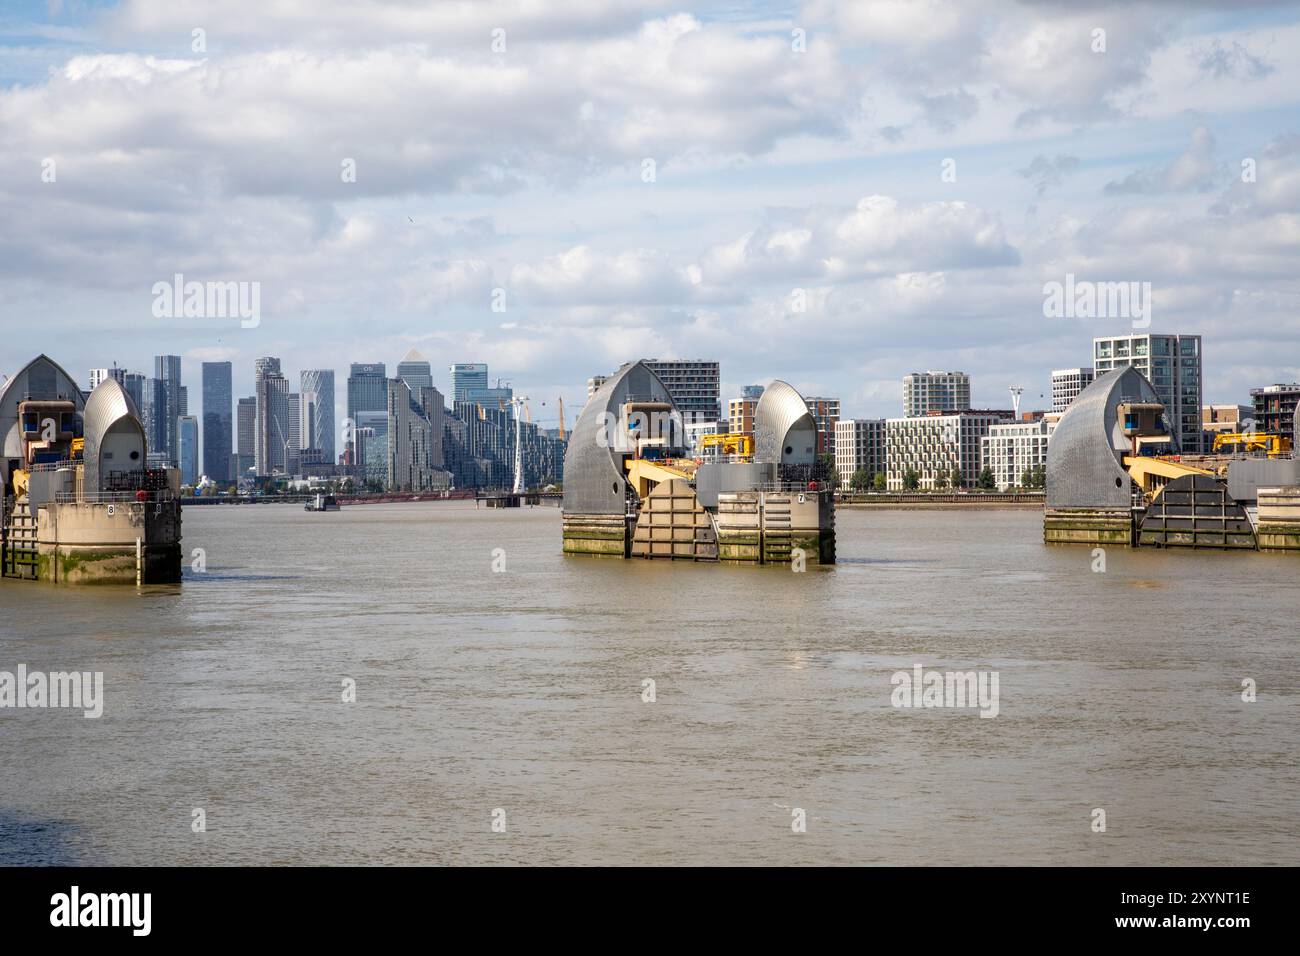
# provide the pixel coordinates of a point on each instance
(632, 491)
(1115, 477)
(80, 504)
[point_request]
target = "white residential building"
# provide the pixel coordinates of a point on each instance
(935, 443)
(859, 443)
(1067, 383)
(1012, 448)
(928, 392)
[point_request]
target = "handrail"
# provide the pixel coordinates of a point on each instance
(111, 497)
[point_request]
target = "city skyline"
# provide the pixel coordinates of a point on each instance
(297, 418)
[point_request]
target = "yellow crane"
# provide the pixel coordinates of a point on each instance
(1275, 445)
(731, 443)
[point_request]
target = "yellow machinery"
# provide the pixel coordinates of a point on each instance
(1152, 474)
(645, 473)
(731, 443)
(1277, 446)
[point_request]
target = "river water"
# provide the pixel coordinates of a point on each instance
(521, 691)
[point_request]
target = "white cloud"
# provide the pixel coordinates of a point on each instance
(521, 170)
(1194, 169)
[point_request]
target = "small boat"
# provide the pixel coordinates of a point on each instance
(322, 503)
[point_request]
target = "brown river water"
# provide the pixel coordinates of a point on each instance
(521, 691)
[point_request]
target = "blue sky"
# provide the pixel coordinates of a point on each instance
(777, 169)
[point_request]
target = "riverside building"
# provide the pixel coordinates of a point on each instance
(859, 445)
(927, 392)
(931, 445)
(1012, 448)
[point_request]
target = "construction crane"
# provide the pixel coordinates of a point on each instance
(732, 443)
(1274, 444)
(562, 436)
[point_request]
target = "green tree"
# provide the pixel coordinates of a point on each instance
(986, 480)
(911, 480)
(860, 479)
(941, 478)
(1038, 477)
(879, 482)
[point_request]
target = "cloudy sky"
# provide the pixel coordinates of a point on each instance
(644, 178)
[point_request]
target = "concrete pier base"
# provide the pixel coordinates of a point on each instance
(601, 534)
(1279, 519)
(1088, 526)
(749, 527)
(95, 542)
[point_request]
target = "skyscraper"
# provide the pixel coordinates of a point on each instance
(187, 435)
(217, 431)
(293, 450)
(135, 384)
(247, 433)
(469, 383)
(164, 441)
(928, 392)
(367, 388)
(1172, 363)
(415, 371)
(434, 405)
(466, 377)
(410, 440)
(316, 386)
(272, 429)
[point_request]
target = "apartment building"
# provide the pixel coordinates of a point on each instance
(1172, 363)
(859, 444)
(1067, 383)
(932, 444)
(927, 392)
(1012, 448)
